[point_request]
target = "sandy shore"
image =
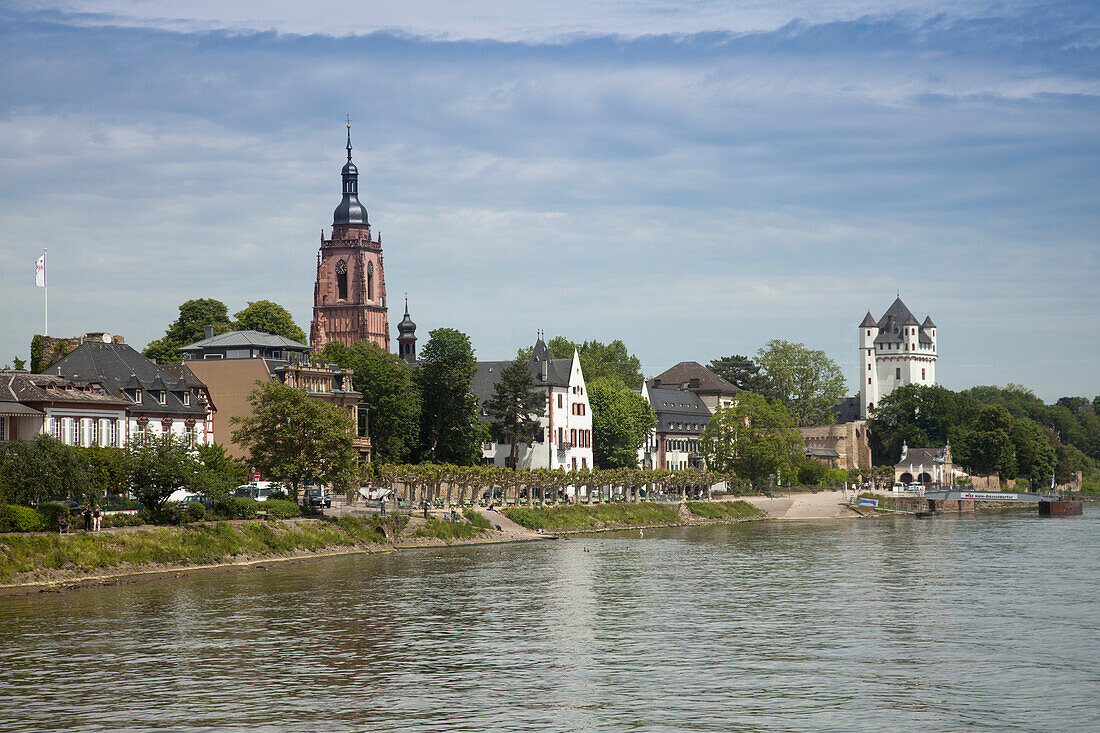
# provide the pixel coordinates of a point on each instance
(822, 505)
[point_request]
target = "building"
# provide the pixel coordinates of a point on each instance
(76, 413)
(895, 350)
(682, 416)
(162, 402)
(566, 441)
(233, 364)
(844, 445)
(684, 398)
(349, 298)
(925, 466)
(714, 391)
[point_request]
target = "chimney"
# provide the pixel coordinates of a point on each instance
(208, 332)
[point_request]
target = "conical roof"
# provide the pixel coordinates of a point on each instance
(868, 321)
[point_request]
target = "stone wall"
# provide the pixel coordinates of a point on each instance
(48, 350)
(849, 440)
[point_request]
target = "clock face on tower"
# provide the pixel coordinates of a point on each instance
(341, 268)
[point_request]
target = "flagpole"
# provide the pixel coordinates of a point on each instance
(45, 296)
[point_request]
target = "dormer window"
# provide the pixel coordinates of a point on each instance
(135, 395)
(187, 399)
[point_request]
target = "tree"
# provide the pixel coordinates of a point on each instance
(621, 420)
(515, 408)
(752, 438)
(597, 359)
(220, 473)
(31, 471)
(158, 466)
(449, 427)
(19, 364)
(389, 389)
(194, 317)
(920, 416)
(268, 317)
(1035, 456)
(807, 382)
(740, 371)
(109, 469)
(295, 438)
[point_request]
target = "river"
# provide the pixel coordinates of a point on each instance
(986, 623)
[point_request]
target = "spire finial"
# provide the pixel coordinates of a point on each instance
(406, 302)
(347, 118)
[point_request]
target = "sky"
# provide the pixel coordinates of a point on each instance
(694, 178)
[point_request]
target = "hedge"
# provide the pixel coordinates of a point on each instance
(15, 518)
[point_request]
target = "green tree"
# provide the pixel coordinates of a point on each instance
(449, 428)
(1035, 456)
(920, 416)
(220, 473)
(158, 466)
(109, 469)
(805, 381)
(515, 408)
(753, 439)
(19, 364)
(621, 420)
(391, 394)
(740, 371)
(194, 316)
(43, 468)
(294, 438)
(598, 360)
(268, 317)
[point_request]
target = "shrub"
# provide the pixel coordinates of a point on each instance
(15, 518)
(477, 519)
(281, 508)
(123, 520)
(195, 512)
(278, 496)
(51, 513)
(239, 507)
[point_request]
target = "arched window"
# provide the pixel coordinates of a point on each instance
(370, 281)
(342, 280)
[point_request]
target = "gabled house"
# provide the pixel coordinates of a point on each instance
(161, 401)
(76, 413)
(566, 440)
(682, 416)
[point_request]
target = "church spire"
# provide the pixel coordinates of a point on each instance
(350, 211)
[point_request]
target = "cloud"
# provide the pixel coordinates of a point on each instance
(690, 190)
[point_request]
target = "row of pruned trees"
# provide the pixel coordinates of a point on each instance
(450, 484)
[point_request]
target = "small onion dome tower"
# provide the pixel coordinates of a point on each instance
(406, 339)
(350, 211)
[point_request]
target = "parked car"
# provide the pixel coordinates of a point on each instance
(318, 498)
(260, 490)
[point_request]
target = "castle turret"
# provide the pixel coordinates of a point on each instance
(868, 370)
(406, 339)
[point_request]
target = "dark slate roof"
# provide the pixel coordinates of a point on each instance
(678, 411)
(681, 375)
(237, 339)
(117, 366)
(822, 453)
(27, 388)
(921, 456)
(928, 322)
(868, 321)
(488, 374)
(847, 410)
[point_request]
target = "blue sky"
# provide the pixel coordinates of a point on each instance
(694, 178)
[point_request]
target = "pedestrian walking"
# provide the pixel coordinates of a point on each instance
(87, 515)
(97, 519)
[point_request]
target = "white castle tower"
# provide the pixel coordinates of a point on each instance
(893, 351)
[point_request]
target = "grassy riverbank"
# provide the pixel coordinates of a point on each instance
(43, 556)
(580, 517)
(726, 510)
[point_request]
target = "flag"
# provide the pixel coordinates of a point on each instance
(40, 272)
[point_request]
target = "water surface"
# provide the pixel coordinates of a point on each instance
(982, 623)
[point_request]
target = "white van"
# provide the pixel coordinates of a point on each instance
(259, 490)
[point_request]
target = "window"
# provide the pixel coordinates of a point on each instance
(897, 373)
(370, 281)
(584, 462)
(112, 432)
(187, 398)
(559, 399)
(561, 435)
(342, 280)
(54, 427)
(868, 380)
(74, 431)
(573, 436)
(95, 432)
(922, 374)
(3, 429)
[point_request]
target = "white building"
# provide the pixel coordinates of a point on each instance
(77, 414)
(566, 441)
(894, 351)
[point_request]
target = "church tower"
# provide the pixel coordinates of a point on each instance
(349, 298)
(406, 337)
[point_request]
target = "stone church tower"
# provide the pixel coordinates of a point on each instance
(349, 299)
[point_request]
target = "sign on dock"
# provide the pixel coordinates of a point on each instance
(868, 502)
